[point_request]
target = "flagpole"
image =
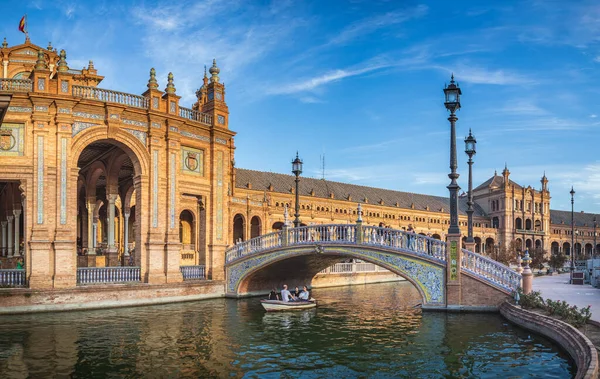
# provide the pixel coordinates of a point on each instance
(26, 28)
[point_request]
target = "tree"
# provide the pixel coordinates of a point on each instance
(538, 258)
(507, 254)
(557, 260)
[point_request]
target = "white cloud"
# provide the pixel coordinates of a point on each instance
(481, 75)
(593, 116)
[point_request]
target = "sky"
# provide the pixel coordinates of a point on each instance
(360, 82)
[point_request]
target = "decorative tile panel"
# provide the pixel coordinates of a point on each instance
(41, 84)
(156, 125)
(64, 110)
(114, 116)
(221, 119)
(12, 139)
(64, 86)
(63, 181)
(142, 136)
(80, 126)
(135, 122)
(221, 141)
(195, 136)
(220, 172)
(172, 194)
(93, 116)
(40, 179)
(173, 129)
(172, 107)
(155, 102)
(41, 108)
(155, 188)
(192, 160)
(40, 125)
(20, 109)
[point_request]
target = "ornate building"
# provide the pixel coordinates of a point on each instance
(91, 177)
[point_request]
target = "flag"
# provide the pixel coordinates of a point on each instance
(23, 24)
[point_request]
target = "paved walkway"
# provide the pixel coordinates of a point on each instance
(557, 287)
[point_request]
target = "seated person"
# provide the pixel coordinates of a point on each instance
(296, 292)
(273, 295)
(304, 295)
(286, 295)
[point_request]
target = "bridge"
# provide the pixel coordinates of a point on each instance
(445, 277)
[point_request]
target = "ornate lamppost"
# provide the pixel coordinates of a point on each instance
(297, 170)
(572, 234)
(595, 243)
(470, 143)
(452, 103)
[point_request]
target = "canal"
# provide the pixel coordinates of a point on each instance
(361, 331)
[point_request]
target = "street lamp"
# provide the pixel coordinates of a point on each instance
(594, 251)
(297, 170)
(452, 103)
(470, 143)
(572, 234)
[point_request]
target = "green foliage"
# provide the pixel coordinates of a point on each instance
(557, 260)
(538, 258)
(560, 309)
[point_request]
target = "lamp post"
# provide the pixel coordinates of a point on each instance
(297, 170)
(470, 143)
(594, 251)
(572, 234)
(452, 103)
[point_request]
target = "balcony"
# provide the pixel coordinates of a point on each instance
(533, 232)
(109, 96)
(15, 85)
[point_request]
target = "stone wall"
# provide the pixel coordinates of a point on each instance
(349, 279)
(579, 347)
(109, 296)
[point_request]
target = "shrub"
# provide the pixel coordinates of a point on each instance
(569, 314)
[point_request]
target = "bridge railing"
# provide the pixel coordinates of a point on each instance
(399, 239)
(264, 242)
(490, 270)
(12, 278)
(341, 233)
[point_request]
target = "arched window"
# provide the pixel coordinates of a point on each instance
(186, 230)
(255, 226)
(518, 223)
(538, 225)
(278, 225)
(495, 222)
(238, 228)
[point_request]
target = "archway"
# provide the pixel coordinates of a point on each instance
(107, 169)
(528, 224)
(187, 237)
(277, 226)
(519, 244)
(13, 244)
(588, 250)
(518, 223)
(538, 225)
(255, 227)
(238, 228)
(489, 246)
(554, 247)
(567, 248)
(528, 244)
(477, 244)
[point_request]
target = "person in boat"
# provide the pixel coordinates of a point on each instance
(286, 295)
(296, 292)
(273, 295)
(304, 295)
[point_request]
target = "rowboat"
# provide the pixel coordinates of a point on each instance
(278, 305)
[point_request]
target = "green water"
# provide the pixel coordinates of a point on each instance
(356, 332)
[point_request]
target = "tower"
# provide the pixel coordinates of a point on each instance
(214, 104)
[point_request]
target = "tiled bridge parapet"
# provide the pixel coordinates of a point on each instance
(300, 253)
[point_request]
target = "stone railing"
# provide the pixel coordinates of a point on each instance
(105, 275)
(490, 271)
(12, 278)
(109, 96)
(342, 234)
(193, 272)
(193, 115)
(339, 268)
(16, 85)
(530, 231)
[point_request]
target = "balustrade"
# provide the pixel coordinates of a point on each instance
(193, 272)
(109, 96)
(401, 240)
(12, 278)
(193, 115)
(490, 270)
(15, 85)
(105, 275)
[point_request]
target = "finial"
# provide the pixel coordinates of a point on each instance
(214, 72)
(91, 65)
(40, 64)
(505, 166)
(49, 48)
(62, 63)
(170, 86)
(452, 79)
(286, 220)
(495, 172)
(359, 212)
(205, 71)
(4, 43)
(152, 83)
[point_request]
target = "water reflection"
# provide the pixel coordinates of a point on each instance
(364, 331)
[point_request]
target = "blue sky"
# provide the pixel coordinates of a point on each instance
(361, 81)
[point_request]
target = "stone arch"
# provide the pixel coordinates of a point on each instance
(477, 244)
(489, 245)
(554, 247)
(528, 224)
(255, 227)
(567, 248)
(239, 228)
(277, 225)
(427, 276)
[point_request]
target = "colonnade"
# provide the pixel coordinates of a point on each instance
(10, 240)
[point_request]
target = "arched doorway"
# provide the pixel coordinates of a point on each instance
(554, 247)
(106, 186)
(238, 228)
(187, 237)
(477, 245)
(255, 227)
(528, 244)
(519, 244)
(13, 244)
(489, 246)
(567, 248)
(528, 224)
(277, 226)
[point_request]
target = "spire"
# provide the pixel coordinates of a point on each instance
(152, 83)
(49, 48)
(170, 86)
(91, 65)
(4, 43)
(41, 61)
(495, 173)
(62, 63)
(214, 72)
(544, 181)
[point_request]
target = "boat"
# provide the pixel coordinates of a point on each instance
(278, 305)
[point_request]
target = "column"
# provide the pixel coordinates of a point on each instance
(95, 232)
(5, 69)
(91, 240)
(3, 251)
(126, 231)
(17, 213)
(9, 234)
(111, 221)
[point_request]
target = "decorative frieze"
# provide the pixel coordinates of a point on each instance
(92, 116)
(156, 125)
(64, 110)
(221, 141)
(219, 210)
(195, 136)
(173, 128)
(135, 122)
(80, 126)
(114, 116)
(142, 136)
(155, 188)
(192, 160)
(20, 109)
(41, 108)
(172, 194)
(40, 179)
(63, 181)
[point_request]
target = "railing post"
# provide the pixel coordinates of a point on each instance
(284, 235)
(453, 270)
